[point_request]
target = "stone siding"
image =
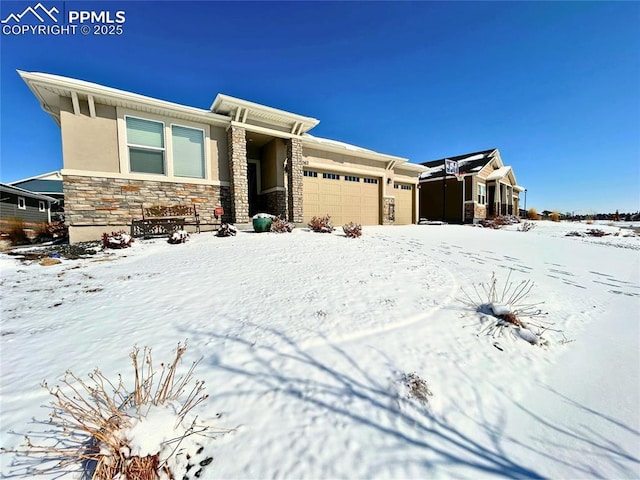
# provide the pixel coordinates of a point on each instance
(388, 210)
(474, 212)
(275, 203)
(237, 144)
(294, 180)
(114, 201)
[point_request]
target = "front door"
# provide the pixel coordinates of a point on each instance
(252, 182)
(491, 207)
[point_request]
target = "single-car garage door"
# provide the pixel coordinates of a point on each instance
(404, 194)
(347, 198)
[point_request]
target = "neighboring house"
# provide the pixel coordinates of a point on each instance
(49, 184)
(122, 150)
(33, 209)
(485, 188)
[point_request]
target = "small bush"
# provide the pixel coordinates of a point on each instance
(96, 422)
(179, 236)
(226, 230)
(532, 214)
(352, 230)
(526, 226)
(119, 239)
(16, 232)
(555, 216)
(278, 225)
(321, 224)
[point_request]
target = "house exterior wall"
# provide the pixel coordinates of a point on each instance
(96, 204)
(31, 214)
(89, 143)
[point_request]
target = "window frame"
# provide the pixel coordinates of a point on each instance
(42, 207)
(204, 150)
(481, 197)
(163, 149)
(22, 203)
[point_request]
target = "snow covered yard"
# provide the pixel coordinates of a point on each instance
(306, 340)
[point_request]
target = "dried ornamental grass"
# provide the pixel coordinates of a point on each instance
(97, 424)
(321, 224)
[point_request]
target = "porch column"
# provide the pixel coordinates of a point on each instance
(237, 148)
(294, 180)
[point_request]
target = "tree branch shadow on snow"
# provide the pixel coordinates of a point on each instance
(386, 411)
(583, 439)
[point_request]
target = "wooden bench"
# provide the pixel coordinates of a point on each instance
(164, 220)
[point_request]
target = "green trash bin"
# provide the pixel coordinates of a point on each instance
(261, 224)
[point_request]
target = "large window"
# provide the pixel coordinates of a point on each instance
(145, 140)
(482, 194)
(188, 151)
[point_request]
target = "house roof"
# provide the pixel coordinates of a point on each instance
(46, 183)
(224, 111)
(243, 109)
(26, 193)
(55, 175)
(467, 163)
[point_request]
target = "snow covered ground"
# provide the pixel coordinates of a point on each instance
(306, 339)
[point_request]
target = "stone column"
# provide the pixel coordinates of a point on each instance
(294, 180)
(237, 145)
(388, 210)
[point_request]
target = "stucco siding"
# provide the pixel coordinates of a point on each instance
(219, 162)
(89, 143)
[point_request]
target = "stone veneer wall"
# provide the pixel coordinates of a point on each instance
(294, 180)
(275, 203)
(114, 201)
(388, 210)
(237, 145)
(474, 212)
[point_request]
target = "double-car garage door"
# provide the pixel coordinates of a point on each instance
(352, 198)
(347, 198)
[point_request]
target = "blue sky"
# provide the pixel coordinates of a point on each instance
(554, 85)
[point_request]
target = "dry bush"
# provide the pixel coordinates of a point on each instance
(226, 230)
(92, 421)
(508, 309)
(526, 226)
(119, 239)
(278, 225)
(416, 387)
(16, 232)
(321, 224)
(532, 214)
(179, 236)
(555, 216)
(352, 230)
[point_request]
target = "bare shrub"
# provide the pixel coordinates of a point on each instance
(507, 309)
(16, 232)
(278, 225)
(179, 236)
(416, 387)
(92, 421)
(321, 224)
(352, 230)
(526, 226)
(532, 214)
(119, 239)
(226, 230)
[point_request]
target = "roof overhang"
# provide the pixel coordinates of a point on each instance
(242, 110)
(26, 193)
(335, 146)
(55, 176)
(49, 88)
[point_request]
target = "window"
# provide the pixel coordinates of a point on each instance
(145, 141)
(188, 151)
(349, 178)
(482, 194)
(370, 180)
(22, 205)
(41, 206)
(310, 173)
(332, 176)
(395, 185)
(405, 187)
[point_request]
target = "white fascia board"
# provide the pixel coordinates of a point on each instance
(315, 142)
(36, 80)
(230, 103)
(43, 176)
